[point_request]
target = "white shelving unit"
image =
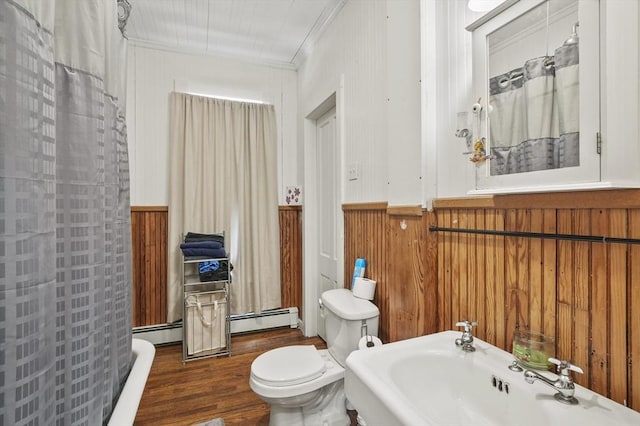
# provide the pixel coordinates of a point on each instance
(206, 330)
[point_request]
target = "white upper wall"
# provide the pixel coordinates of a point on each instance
(448, 90)
(353, 48)
(372, 48)
(153, 74)
(403, 103)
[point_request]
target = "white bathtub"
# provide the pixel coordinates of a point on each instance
(428, 380)
(124, 413)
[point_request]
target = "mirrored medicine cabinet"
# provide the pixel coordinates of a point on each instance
(536, 71)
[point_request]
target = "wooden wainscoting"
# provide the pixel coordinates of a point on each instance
(291, 256)
(149, 252)
(401, 259)
(585, 294)
(365, 236)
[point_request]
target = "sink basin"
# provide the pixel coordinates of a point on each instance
(429, 381)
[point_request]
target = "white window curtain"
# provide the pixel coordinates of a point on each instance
(223, 178)
(534, 122)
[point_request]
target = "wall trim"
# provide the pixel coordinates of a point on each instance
(405, 210)
(464, 202)
(289, 208)
(145, 44)
(381, 205)
(149, 208)
(612, 198)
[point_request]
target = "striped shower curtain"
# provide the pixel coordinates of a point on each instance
(65, 263)
(533, 115)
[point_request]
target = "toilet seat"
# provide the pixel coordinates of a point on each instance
(288, 366)
(332, 373)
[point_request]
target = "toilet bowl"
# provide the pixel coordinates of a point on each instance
(304, 385)
(310, 389)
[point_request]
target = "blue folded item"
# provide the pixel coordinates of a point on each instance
(208, 266)
(205, 252)
(214, 270)
(202, 244)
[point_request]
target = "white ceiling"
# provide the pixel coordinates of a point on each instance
(272, 31)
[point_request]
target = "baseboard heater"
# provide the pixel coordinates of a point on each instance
(164, 334)
(161, 334)
(275, 318)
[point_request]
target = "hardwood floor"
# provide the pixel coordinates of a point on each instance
(201, 390)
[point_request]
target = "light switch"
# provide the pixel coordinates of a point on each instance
(353, 171)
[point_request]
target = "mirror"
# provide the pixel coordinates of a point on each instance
(533, 108)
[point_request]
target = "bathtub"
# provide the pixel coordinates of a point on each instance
(124, 412)
(428, 380)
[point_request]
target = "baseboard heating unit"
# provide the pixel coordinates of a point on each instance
(285, 317)
(163, 334)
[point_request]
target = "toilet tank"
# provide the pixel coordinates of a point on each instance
(343, 315)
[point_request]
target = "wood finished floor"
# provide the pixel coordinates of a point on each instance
(177, 394)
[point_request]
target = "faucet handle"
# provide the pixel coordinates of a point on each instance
(468, 325)
(563, 367)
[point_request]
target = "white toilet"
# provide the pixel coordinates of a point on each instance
(304, 385)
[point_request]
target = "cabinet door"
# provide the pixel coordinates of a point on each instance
(536, 72)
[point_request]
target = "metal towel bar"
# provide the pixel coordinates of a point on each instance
(565, 237)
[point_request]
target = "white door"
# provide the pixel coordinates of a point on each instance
(327, 172)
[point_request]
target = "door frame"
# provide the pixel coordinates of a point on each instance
(327, 169)
(310, 208)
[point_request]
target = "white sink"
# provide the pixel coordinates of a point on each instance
(430, 381)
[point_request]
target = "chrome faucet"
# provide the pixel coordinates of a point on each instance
(466, 340)
(563, 384)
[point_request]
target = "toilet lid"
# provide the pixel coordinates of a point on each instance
(345, 305)
(289, 365)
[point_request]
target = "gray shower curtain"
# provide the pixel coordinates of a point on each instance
(534, 121)
(65, 264)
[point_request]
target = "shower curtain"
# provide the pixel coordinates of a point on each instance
(534, 117)
(223, 167)
(65, 264)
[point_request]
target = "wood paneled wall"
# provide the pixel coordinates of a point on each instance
(149, 238)
(365, 236)
(586, 295)
(291, 256)
(401, 259)
(149, 252)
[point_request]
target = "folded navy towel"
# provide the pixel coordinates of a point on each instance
(202, 244)
(205, 252)
(193, 236)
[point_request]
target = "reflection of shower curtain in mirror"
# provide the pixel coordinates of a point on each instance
(534, 115)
